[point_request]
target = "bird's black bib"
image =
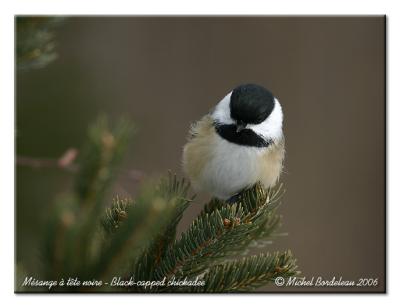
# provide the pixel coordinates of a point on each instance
(245, 137)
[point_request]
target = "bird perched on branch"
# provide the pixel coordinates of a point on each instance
(239, 143)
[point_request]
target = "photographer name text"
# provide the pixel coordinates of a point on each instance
(323, 282)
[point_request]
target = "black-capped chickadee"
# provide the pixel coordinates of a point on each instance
(239, 143)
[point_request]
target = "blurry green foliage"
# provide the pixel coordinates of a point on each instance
(35, 41)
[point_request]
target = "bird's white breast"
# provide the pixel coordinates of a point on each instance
(230, 168)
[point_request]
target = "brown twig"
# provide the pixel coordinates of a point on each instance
(67, 162)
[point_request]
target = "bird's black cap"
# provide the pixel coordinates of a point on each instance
(251, 104)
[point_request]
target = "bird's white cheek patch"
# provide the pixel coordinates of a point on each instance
(271, 128)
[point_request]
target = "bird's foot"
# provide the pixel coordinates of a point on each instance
(233, 199)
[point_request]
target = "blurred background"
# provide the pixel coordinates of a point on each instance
(163, 73)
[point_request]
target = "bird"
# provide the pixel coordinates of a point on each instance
(238, 143)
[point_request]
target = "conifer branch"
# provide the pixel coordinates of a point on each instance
(145, 265)
(98, 162)
(116, 214)
(221, 233)
(248, 273)
(71, 233)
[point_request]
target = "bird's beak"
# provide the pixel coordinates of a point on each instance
(240, 127)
